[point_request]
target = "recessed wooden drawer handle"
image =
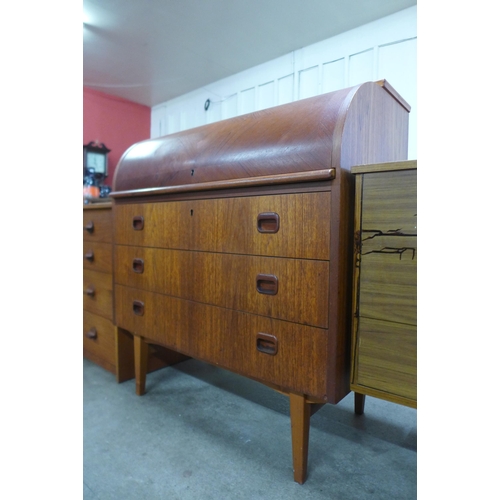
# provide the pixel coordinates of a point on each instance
(89, 256)
(138, 223)
(268, 344)
(267, 284)
(90, 291)
(268, 222)
(89, 227)
(138, 307)
(92, 333)
(138, 266)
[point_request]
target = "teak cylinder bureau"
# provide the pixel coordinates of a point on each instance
(233, 242)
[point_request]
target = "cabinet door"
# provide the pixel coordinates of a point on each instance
(387, 357)
(390, 203)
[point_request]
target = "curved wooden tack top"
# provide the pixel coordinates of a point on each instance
(299, 137)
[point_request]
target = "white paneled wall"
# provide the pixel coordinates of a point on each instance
(386, 48)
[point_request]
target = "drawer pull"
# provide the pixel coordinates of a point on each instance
(267, 284)
(267, 344)
(138, 307)
(138, 223)
(138, 266)
(90, 256)
(89, 227)
(90, 291)
(92, 333)
(268, 222)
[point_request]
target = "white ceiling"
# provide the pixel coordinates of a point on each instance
(150, 51)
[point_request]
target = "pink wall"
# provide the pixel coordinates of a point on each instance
(115, 122)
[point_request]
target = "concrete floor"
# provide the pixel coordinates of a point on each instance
(204, 433)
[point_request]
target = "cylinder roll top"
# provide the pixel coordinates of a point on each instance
(302, 136)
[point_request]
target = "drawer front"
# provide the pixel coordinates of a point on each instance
(387, 357)
(98, 256)
(97, 225)
(286, 354)
(98, 293)
(290, 289)
(388, 279)
(98, 338)
(390, 203)
(296, 225)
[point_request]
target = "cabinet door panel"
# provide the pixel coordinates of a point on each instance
(390, 202)
(388, 279)
(387, 357)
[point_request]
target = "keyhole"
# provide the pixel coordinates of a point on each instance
(192, 172)
(192, 212)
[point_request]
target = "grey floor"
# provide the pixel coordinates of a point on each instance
(204, 433)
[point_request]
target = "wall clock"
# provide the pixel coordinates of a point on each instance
(95, 156)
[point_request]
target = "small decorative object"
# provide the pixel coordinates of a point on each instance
(105, 190)
(95, 170)
(95, 155)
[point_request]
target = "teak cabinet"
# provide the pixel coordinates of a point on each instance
(98, 328)
(233, 242)
(103, 343)
(384, 354)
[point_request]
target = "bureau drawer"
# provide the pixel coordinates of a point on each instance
(99, 339)
(98, 293)
(387, 357)
(290, 289)
(97, 225)
(287, 354)
(98, 256)
(389, 202)
(295, 225)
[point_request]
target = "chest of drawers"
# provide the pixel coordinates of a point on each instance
(384, 354)
(98, 328)
(233, 242)
(103, 343)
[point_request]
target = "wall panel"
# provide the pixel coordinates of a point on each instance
(381, 49)
(285, 89)
(266, 96)
(230, 106)
(308, 82)
(333, 76)
(247, 101)
(361, 67)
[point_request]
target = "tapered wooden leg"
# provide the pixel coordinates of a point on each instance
(359, 403)
(124, 350)
(300, 416)
(141, 364)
